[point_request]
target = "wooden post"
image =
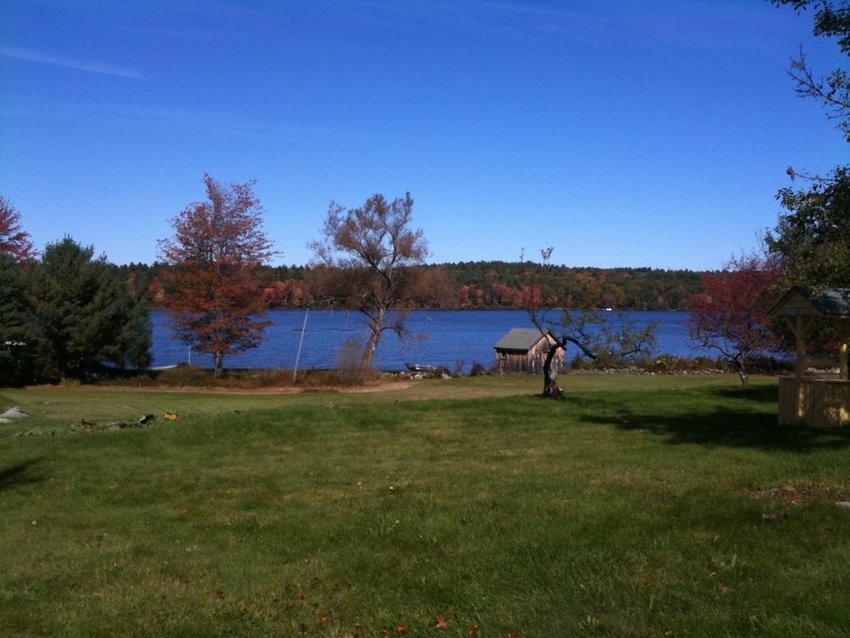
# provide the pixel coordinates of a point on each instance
(800, 334)
(800, 328)
(843, 345)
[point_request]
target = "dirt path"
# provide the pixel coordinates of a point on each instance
(376, 387)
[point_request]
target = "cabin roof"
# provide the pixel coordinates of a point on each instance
(829, 302)
(520, 339)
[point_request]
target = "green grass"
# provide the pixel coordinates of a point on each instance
(637, 507)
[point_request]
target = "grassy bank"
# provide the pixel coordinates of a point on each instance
(638, 506)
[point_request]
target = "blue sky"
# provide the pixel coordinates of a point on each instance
(652, 133)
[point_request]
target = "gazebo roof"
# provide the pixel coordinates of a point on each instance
(800, 301)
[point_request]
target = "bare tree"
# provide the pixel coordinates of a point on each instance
(591, 332)
(369, 252)
(832, 20)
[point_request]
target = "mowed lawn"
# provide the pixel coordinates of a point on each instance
(639, 506)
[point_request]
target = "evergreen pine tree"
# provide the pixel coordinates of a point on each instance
(85, 313)
(17, 339)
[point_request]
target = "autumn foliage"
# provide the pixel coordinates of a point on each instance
(213, 290)
(13, 240)
(731, 315)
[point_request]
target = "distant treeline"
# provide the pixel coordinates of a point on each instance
(481, 285)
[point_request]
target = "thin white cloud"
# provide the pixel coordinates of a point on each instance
(515, 20)
(127, 117)
(70, 63)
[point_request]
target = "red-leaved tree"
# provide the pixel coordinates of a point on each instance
(13, 240)
(731, 314)
(212, 289)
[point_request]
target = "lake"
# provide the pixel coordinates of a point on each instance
(441, 338)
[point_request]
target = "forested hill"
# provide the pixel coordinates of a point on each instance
(487, 284)
(621, 288)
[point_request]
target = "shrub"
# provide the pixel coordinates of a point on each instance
(184, 374)
(478, 370)
(348, 358)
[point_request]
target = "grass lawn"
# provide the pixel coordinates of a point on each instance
(640, 506)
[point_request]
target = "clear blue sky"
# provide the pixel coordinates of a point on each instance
(652, 133)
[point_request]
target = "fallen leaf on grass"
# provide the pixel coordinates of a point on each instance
(442, 623)
(473, 631)
(185, 510)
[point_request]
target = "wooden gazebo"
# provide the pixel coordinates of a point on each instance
(822, 400)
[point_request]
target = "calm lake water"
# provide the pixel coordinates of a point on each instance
(441, 338)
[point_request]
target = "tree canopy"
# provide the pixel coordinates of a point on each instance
(85, 316)
(372, 249)
(213, 290)
(731, 314)
(813, 236)
(14, 240)
(832, 20)
(17, 336)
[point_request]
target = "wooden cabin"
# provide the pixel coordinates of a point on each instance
(822, 400)
(525, 350)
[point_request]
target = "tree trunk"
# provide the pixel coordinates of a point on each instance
(741, 367)
(742, 373)
(376, 326)
(551, 390)
(218, 364)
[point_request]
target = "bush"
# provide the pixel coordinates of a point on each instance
(478, 370)
(348, 358)
(184, 374)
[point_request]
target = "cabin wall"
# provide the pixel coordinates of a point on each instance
(531, 361)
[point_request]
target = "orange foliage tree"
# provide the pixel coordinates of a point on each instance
(213, 289)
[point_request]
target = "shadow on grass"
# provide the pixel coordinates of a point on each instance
(756, 394)
(728, 428)
(20, 474)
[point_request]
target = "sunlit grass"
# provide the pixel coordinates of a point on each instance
(638, 506)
